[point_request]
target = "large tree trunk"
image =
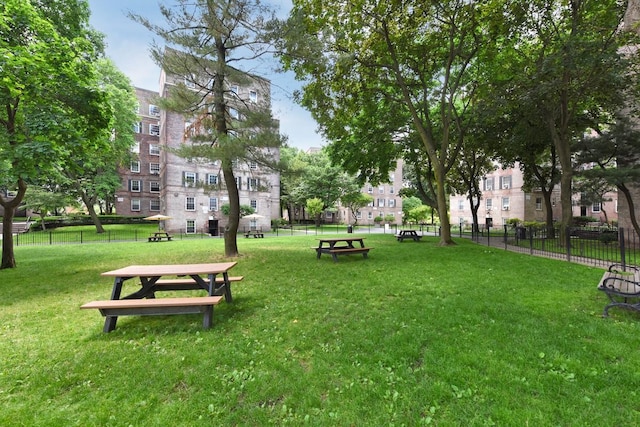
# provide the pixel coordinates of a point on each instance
(8, 258)
(231, 231)
(89, 203)
(551, 232)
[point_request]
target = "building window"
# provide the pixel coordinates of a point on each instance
(369, 215)
(505, 203)
(191, 226)
(391, 190)
(358, 214)
(213, 204)
(154, 149)
(253, 96)
(489, 204)
(154, 129)
(190, 204)
(252, 184)
(596, 207)
(370, 190)
(135, 148)
(134, 185)
(392, 203)
(135, 166)
(328, 215)
(488, 184)
(381, 203)
(154, 205)
(239, 182)
(461, 204)
(505, 182)
(154, 110)
(189, 83)
(538, 203)
(189, 179)
(254, 204)
(212, 179)
(253, 165)
(154, 168)
(154, 187)
(234, 89)
(381, 189)
(137, 127)
(135, 205)
(234, 113)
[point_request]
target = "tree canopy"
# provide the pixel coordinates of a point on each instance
(51, 103)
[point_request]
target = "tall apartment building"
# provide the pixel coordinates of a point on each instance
(192, 192)
(386, 201)
(503, 198)
(141, 183)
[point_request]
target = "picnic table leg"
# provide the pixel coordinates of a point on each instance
(110, 321)
(207, 319)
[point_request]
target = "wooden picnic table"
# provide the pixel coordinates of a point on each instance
(341, 246)
(408, 234)
(159, 235)
(143, 301)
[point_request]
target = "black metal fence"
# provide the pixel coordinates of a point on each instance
(78, 237)
(594, 246)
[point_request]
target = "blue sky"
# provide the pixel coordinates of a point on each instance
(128, 46)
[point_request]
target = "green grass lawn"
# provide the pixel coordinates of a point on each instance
(415, 335)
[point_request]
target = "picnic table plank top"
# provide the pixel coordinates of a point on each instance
(342, 239)
(170, 269)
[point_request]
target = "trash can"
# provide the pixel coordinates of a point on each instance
(521, 232)
(349, 228)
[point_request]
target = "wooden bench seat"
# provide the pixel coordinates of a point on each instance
(255, 234)
(622, 287)
(342, 251)
(402, 237)
(159, 238)
(156, 306)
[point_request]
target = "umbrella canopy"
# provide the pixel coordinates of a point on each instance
(252, 216)
(158, 218)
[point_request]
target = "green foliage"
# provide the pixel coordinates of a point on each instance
(315, 207)
(514, 222)
(244, 210)
(52, 104)
(581, 221)
(418, 214)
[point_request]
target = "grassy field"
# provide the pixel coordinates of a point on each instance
(415, 335)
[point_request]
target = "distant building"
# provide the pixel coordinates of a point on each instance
(141, 181)
(189, 191)
(503, 198)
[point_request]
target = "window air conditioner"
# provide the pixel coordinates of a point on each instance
(505, 208)
(505, 186)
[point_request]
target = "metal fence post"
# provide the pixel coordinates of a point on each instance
(623, 255)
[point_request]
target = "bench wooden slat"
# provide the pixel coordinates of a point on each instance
(153, 302)
(155, 306)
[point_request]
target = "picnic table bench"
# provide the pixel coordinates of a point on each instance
(341, 246)
(621, 286)
(408, 234)
(158, 306)
(158, 236)
(255, 234)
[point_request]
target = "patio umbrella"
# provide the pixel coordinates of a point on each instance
(252, 216)
(158, 217)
